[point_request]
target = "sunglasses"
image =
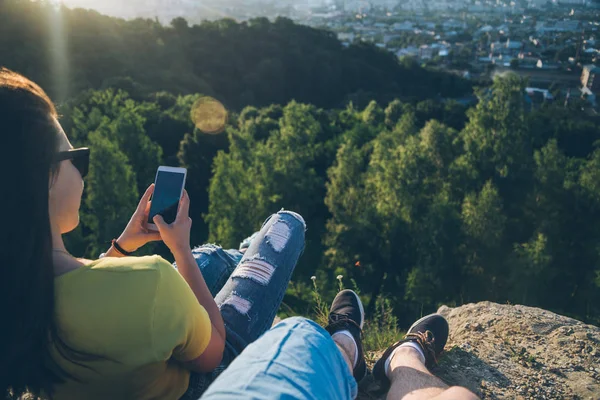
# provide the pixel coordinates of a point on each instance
(79, 157)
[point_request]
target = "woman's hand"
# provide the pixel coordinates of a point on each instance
(137, 234)
(177, 235)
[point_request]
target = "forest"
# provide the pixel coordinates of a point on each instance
(409, 195)
(258, 62)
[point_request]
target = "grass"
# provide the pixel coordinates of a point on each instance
(380, 331)
(521, 356)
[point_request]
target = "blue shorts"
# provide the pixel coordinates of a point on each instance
(296, 359)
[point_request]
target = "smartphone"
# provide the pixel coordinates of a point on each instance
(168, 189)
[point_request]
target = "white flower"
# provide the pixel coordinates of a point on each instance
(340, 277)
(313, 278)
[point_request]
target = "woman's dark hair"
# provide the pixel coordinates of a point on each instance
(29, 142)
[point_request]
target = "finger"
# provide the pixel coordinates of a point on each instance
(144, 200)
(152, 236)
(184, 207)
(159, 222)
(146, 211)
(144, 216)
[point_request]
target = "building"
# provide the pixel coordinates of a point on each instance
(508, 48)
(589, 96)
(547, 65)
(483, 30)
(514, 45)
(427, 52)
(558, 26)
(410, 51)
(346, 37)
(403, 26)
(590, 78)
(545, 93)
(572, 2)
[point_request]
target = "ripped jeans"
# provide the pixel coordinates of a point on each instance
(249, 287)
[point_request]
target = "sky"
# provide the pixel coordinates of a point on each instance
(128, 7)
(164, 9)
(123, 8)
(110, 7)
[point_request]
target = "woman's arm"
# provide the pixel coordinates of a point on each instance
(176, 237)
(112, 252)
(188, 268)
(136, 233)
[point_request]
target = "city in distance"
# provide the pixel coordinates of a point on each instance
(242, 9)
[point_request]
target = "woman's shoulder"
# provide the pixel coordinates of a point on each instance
(130, 264)
(113, 272)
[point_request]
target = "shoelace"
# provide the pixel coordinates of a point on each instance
(340, 321)
(426, 340)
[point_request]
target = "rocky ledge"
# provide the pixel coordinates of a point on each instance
(517, 352)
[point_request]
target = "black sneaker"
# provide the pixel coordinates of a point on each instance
(430, 333)
(347, 313)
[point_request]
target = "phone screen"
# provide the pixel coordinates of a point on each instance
(166, 196)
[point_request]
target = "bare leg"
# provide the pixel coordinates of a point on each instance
(411, 380)
(347, 349)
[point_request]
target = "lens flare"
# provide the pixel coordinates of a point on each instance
(209, 115)
(59, 56)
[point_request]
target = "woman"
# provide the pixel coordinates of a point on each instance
(117, 327)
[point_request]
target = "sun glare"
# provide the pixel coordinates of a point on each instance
(58, 54)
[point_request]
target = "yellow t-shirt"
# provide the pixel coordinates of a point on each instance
(139, 314)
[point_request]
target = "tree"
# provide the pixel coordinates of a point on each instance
(257, 178)
(484, 225)
(180, 25)
(373, 114)
(121, 120)
(111, 193)
(144, 155)
(196, 153)
(496, 138)
(256, 62)
(393, 112)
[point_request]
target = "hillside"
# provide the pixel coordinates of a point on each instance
(517, 352)
(258, 62)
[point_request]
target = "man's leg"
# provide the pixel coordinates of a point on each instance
(296, 359)
(216, 265)
(345, 323)
(405, 364)
(411, 380)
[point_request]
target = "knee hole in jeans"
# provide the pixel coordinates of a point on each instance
(239, 303)
(278, 235)
(257, 270)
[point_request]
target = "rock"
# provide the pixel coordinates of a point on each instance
(538, 355)
(541, 348)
